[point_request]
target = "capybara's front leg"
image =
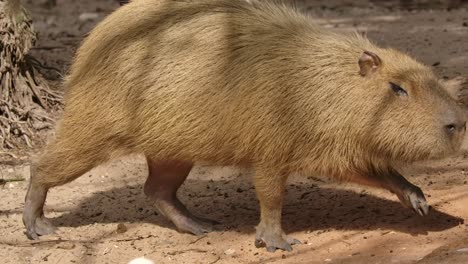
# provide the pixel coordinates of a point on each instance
(270, 192)
(409, 194)
(164, 179)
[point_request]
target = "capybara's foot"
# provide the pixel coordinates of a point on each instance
(175, 211)
(44, 226)
(414, 198)
(409, 194)
(164, 179)
(41, 227)
(274, 240)
(33, 215)
(191, 225)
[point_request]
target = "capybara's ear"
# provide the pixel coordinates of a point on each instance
(369, 63)
(457, 88)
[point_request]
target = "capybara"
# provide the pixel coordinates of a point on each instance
(259, 85)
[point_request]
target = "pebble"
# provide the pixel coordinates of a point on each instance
(88, 16)
(462, 250)
(66, 245)
(121, 228)
(141, 261)
(229, 251)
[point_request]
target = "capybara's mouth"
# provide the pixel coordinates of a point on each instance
(443, 152)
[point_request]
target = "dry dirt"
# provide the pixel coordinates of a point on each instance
(104, 216)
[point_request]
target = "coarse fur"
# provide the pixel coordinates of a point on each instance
(227, 82)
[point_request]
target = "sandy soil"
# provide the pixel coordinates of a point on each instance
(105, 218)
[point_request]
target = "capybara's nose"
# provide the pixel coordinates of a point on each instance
(455, 128)
(454, 123)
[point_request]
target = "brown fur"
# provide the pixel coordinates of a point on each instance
(232, 83)
(227, 82)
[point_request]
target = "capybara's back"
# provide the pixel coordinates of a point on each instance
(251, 84)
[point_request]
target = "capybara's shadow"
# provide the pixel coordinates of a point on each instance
(234, 204)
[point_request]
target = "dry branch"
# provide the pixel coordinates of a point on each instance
(26, 101)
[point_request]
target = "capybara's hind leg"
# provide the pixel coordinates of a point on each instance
(33, 215)
(58, 165)
(164, 179)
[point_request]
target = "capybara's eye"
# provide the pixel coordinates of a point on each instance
(398, 90)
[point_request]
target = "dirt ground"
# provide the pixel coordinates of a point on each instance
(104, 216)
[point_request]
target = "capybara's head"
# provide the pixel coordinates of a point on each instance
(414, 118)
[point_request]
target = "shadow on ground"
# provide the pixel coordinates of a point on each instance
(308, 207)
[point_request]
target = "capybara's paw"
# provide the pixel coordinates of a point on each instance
(41, 227)
(191, 225)
(31, 234)
(273, 241)
(185, 222)
(44, 227)
(414, 198)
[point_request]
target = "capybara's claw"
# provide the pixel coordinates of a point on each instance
(189, 225)
(273, 244)
(273, 241)
(293, 241)
(419, 203)
(414, 198)
(31, 234)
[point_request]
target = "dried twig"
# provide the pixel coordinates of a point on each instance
(131, 239)
(178, 252)
(48, 47)
(9, 154)
(3, 181)
(43, 242)
(37, 63)
(198, 239)
(216, 260)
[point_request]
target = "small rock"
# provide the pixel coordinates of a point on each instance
(88, 16)
(66, 245)
(229, 252)
(121, 228)
(462, 250)
(141, 261)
